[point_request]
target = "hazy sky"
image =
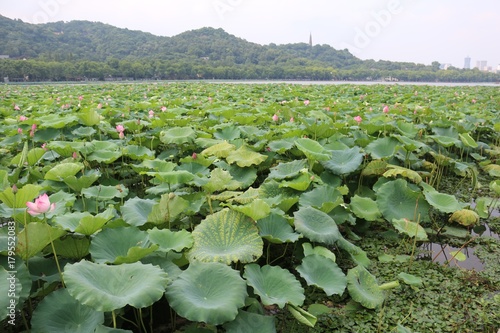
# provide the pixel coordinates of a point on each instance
(418, 31)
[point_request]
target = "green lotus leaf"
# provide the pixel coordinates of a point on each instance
(57, 120)
(63, 170)
(444, 202)
(246, 176)
(444, 141)
(382, 147)
(403, 329)
(407, 129)
(13, 274)
(344, 162)
(465, 217)
(156, 165)
(168, 209)
(119, 245)
(18, 200)
(375, 168)
(363, 288)
(226, 236)
(178, 135)
(220, 150)
(171, 240)
(410, 279)
(458, 255)
(138, 152)
(357, 254)
(467, 140)
(67, 148)
(276, 229)
(396, 200)
(316, 225)
(301, 183)
(107, 288)
(312, 149)
(207, 292)
(281, 146)
(221, 180)
(274, 285)
(72, 247)
(89, 117)
(324, 198)
(256, 210)
(173, 177)
(365, 208)
(90, 224)
(324, 273)
(107, 156)
(135, 211)
(33, 157)
(35, 237)
(492, 169)
(247, 322)
(302, 316)
(287, 170)
(410, 228)
(495, 186)
(320, 250)
(228, 133)
(245, 157)
(247, 197)
(84, 181)
(70, 221)
(395, 170)
(103, 192)
(59, 312)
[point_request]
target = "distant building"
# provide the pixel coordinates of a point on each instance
(310, 39)
(467, 62)
(444, 66)
(482, 65)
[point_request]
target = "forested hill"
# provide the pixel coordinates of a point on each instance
(84, 40)
(82, 50)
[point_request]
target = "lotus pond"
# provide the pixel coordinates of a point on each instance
(198, 207)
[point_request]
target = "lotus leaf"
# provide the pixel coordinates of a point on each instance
(276, 229)
(207, 292)
(178, 135)
(324, 273)
(365, 208)
(312, 149)
(345, 161)
(363, 288)
(247, 322)
(226, 236)
(302, 316)
(59, 312)
(274, 285)
(465, 217)
(107, 288)
(396, 200)
(316, 225)
(410, 228)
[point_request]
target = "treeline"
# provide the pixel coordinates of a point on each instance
(34, 70)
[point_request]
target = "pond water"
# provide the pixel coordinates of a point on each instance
(441, 252)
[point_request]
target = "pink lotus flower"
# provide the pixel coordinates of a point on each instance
(151, 113)
(358, 119)
(99, 106)
(80, 98)
(194, 156)
(275, 117)
(20, 130)
(16, 107)
(386, 109)
(44, 146)
(121, 135)
(306, 102)
(474, 101)
(163, 108)
(120, 128)
(292, 120)
(75, 155)
(41, 205)
(23, 118)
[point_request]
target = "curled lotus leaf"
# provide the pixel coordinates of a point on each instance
(465, 217)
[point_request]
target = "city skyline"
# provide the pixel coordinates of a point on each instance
(395, 30)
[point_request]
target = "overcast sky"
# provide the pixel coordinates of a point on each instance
(418, 31)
